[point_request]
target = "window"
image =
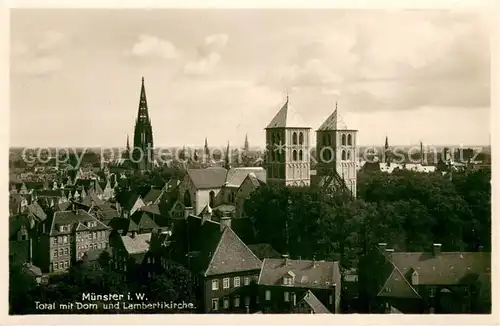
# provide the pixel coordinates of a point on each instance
(343, 140)
(66, 263)
(247, 301)
(300, 155)
(301, 138)
(66, 251)
(287, 297)
(55, 253)
(61, 252)
(330, 299)
(211, 202)
(294, 154)
(215, 285)
(226, 303)
(349, 139)
(287, 280)
(294, 138)
(54, 240)
(65, 239)
(237, 301)
(215, 304)
(236, 281)
(56, 265)
(268, 295)
(246, 280)
(432, 292)
(294, 299)
(226, 283)
(343, 156)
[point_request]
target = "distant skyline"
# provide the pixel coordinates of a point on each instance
(410, 75)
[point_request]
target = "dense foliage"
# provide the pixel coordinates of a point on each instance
(407, 210)
(174, 284)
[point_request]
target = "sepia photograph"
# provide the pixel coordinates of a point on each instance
(249, 161)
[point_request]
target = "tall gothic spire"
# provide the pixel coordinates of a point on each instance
(227, 160)
(143, 114)
(206, 147)
(246, 146)
(386, 146)
(143, 133)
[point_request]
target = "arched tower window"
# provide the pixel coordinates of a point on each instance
(343, 155)
(349, 139)
(348, 155)
(300, 155)
(343, 139)
(212, 199)
(187, 199)
(301, 138)
(294, 138)
(294, 154)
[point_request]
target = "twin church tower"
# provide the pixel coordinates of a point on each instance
(288, 160)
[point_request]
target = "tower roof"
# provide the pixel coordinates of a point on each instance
(143, 114)
(333, 122)
(286, 118)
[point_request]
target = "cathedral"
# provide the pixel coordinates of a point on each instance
(288, 160)
(142, 153)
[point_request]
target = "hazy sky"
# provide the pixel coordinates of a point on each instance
(412, 75)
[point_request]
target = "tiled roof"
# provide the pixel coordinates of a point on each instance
(321, 274)
(137, 244)
(208, 178)
(34, 270)
(36, 210)
(64, 206)
(398, 286)
(313, 302)
(287, 118)
(264, 250)
(143, 220)
(152, 195)
(231, 255)
(128, 199)
(445, 268)
(236, 176)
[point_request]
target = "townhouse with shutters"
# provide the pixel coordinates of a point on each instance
(67, 237)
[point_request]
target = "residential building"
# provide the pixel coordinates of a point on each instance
(283, 282)
(435, 281)
(67, 237)
(310, 304)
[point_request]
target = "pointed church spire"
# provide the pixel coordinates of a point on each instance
(143, 114)
(386, 146)
(246, 146)
(227, 160)
(128, 144)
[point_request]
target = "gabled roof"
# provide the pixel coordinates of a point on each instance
(152, 195)
(151, 208)
(73, 219)
(208, 178)
(398, 286)
(231, 255)
(144, 221)
(287, 118)
(36, 211)
(236, 176)
(313, 302)
(445, 268)
(309, 274)
(123, 224)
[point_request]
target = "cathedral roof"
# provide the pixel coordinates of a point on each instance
(286, 118)
(333, 122)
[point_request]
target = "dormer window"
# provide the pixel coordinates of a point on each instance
(414, 278)
(288, 279)
(62, 228)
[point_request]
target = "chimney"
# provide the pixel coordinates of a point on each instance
(286, 260)
(133, 234)
(381, 247)
(436, 249)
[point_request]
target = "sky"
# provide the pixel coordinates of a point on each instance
(75, 74)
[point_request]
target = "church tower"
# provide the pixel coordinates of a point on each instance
(143, 134)
(337, 151)
(287, 143)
